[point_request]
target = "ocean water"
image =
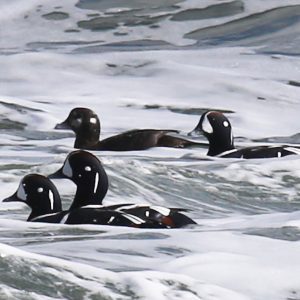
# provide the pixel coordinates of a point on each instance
(154, 64)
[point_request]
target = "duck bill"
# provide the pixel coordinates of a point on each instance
(63, 125)
(57, 174)
(13, 198)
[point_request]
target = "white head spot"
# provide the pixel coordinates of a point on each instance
(225, 123)
(93, 120)
(40, 190)
(88, 169)
(21, 192)
(67, 170)
(206, 126)
(279, 154)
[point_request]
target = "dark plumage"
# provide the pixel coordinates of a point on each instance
(217, 129)
(86, 125)
(41, 195)
(82, 168)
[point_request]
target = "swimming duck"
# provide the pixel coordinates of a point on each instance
(216, 127)
(83, 168)
(41, 195)
(86, 125)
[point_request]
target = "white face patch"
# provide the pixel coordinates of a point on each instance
(225, 124)
(51, 199)
(147, 213)
(21, 193)
(206, 126)
(40, 190)
(162, 210)
(88, 169)
(77, 122)
(96, 182)
(279, 154)
(67, 170)
(93, 120)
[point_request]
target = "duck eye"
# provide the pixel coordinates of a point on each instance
(79, 175)
(40, 190)
(226, 124)
(88, 169)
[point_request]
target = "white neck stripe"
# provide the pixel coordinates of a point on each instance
(96, 182)
(51, 198)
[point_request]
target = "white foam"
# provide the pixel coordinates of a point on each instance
(228, 198)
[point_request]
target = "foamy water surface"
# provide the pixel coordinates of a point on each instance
(154, 64)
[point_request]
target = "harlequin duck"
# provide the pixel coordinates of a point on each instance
(217, 129)
(41, 195)
(83, 168)
(86, 125)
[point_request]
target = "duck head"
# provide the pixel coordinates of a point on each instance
(85, 124)
(87, 172)
(217, 129)
(39, 193)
